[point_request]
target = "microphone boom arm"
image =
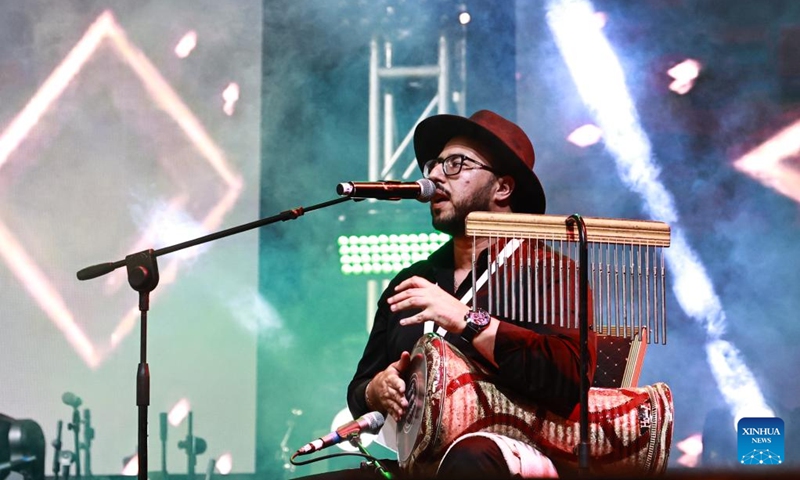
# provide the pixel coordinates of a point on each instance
(104, 268)
(143, 277)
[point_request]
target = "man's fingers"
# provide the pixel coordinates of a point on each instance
(396, 389)
(393, 400)
(390, 388)
(396, 405)
(402, 300)
(413, 282)
(403, 363)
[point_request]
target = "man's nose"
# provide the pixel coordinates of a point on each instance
(436, 174)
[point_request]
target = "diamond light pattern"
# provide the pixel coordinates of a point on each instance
(774, 163)
(105, 31)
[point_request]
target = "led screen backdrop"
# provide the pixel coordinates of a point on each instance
(130, 125)
(125, 127)
(679, 111)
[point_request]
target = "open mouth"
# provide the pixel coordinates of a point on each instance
(440, 196)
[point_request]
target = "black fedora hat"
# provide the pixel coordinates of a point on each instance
(510, 147)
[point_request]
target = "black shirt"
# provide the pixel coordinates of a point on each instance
(541, 362)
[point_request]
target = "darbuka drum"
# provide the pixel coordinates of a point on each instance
(449, 396)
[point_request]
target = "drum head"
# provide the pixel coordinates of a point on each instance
(408, 428)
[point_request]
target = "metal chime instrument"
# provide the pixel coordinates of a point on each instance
(626, 271)
(534, 269)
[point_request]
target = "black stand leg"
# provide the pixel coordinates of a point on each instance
(163, 437)
(65, 471)
(583, 446)
(57, 454)
(143, 277)
(189, 444)
(143, 401)
(373, 463)
(88, 436)
(75, 426)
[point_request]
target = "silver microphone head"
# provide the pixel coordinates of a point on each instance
(427, 190)
(374, 420)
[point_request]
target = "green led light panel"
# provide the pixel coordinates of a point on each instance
(385, 254)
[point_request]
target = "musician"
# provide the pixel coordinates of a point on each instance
(480, 163)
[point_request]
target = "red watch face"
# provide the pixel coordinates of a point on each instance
(479, 317)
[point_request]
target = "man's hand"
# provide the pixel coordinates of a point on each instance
(386, 391)
(441, 308)
(436, 304)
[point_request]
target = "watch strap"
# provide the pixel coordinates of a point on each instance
(477, 321)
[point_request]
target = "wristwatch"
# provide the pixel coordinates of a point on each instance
(477, 321)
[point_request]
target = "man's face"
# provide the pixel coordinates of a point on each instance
(470, 190)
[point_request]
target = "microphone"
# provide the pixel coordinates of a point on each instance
(422, 190)
(71, 399)
(369, 423)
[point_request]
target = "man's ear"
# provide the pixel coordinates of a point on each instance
(505, 186)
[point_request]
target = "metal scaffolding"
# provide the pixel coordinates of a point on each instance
(385, 153)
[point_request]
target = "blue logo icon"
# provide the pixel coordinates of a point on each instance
(760, 441)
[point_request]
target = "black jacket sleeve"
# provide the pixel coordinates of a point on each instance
(374, 360)
(387, 341)
(542, 365)
(542, 360)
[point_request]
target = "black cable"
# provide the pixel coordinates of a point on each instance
(332, 455)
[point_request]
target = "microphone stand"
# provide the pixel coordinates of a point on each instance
(88, 436)
(143, 277)
(284, 446)
(75, 426)
(355, 440)
(583, 445)
(66, 460)
(163, 437)
(57, 454)
(191, 452)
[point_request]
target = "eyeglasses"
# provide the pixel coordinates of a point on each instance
(452, 165)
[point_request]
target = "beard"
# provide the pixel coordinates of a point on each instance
(454, 222)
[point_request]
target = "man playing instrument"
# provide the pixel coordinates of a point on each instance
(480, 163)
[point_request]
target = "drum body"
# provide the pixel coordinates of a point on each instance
(449, 396)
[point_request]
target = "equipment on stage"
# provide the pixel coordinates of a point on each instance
(63, 460)
(73, 401)
(162, 436)
(349, 432)
(22, 448)
(450, 395)
(66, 459)
(540, 268)
(283, 453)
(57, 450)
(194, 446)
(368, 423)
(559, 272)
(422, 190)
(143, 277)
(624, 266)
(86, 446)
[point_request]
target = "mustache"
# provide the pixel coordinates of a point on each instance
(441, 191)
